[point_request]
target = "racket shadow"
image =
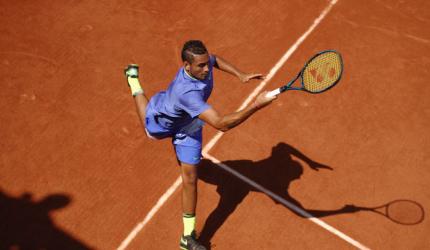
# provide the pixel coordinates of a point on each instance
(402, 211)
(275, 173)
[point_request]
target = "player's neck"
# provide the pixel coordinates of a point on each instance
(189, 75)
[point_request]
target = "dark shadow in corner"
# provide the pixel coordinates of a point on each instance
(27, 224)
(274, 173)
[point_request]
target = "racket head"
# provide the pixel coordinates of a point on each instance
(322, 71)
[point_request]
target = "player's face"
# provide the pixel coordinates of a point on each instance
(200, 66)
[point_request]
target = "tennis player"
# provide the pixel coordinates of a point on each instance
(180, 112)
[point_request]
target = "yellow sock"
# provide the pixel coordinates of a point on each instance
(134, 86)
(189, 223)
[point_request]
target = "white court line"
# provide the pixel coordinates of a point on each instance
(288, 204)
(218, 136)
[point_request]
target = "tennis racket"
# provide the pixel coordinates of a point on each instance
(319, 74)
(405, 212)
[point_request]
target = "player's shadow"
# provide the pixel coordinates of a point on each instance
(27, 224)
(274, 173)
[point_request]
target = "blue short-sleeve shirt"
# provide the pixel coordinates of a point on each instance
(184, 100)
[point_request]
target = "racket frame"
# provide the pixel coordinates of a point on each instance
(300, 75)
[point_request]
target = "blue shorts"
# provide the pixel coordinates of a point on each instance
(187, 141)
(188, 146)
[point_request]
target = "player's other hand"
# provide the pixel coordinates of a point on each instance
(247, 77)
(263, 100)
(317, 166)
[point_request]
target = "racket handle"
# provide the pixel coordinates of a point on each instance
(274, 93)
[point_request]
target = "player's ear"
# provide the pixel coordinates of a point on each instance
(187, 66)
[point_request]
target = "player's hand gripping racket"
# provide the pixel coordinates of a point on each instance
(319, 74)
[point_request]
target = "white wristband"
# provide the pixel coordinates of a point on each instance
(273, 93)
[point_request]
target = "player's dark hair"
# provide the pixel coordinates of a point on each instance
(191, 48)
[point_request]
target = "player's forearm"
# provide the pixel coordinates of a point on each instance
(234, 119)
(226, 122)
(227, 67)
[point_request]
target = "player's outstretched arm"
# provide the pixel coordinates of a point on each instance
(225, 66)
(312, 164)
(229, 121)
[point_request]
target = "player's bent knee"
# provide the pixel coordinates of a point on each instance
(189, 178)
(189, 174)
(189, 181)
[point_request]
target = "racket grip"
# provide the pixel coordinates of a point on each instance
(274, 93)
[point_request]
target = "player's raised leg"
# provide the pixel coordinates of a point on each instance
(141, 101)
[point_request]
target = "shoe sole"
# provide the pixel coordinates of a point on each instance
(135, 66)
(181, 246)
(131, 75)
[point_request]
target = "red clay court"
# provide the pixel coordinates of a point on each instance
(77, 171)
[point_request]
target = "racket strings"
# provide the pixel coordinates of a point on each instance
(322, 72)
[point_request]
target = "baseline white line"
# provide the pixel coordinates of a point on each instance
(287, 203)
(218, 136)
(274, 70)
